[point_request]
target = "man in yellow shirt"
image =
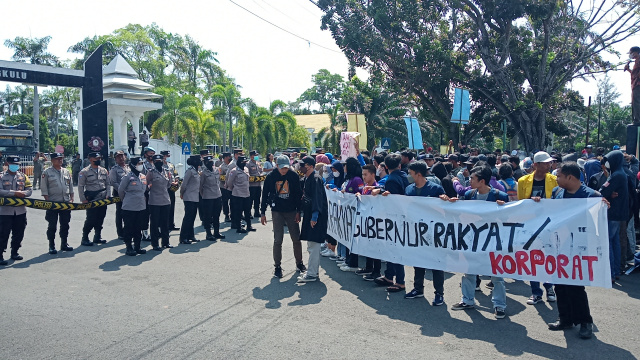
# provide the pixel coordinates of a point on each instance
(538, 185)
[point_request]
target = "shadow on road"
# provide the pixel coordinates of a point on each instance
(509, 338)
(277, 290)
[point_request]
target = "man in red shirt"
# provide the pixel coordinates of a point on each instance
(634, 53)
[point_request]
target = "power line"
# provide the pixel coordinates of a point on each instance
(283, 29)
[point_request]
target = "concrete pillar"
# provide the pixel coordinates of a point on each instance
(118, 118)
(80, 139)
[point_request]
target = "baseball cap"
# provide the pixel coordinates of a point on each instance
(309, 160)
(208, 158)
(204, 152)
(542, 156)
(56, 155)
(158, 157)
(482, 157)
(472, 160)
(527, 163)
(241, 159)
(616, 147)
(453, 157)
(282, 162)
(94, 154)
(253, 152)
(634, 49)
(165, 152)
(149, 148)
(119, 152)
(429, 157)
(514, 152)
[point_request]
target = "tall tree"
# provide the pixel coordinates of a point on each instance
(35, 51)
(177, 111)
(326, 89)
(227, 97)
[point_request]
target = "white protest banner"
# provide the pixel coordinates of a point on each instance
(342, 213)
(556, 241)
(348, 144)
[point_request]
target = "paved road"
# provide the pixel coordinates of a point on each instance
(220, 301)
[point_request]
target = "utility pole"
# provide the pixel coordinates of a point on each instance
(586, 141)
(599, 116)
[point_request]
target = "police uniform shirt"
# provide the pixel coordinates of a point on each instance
(56, 184)
(116, 174)
(254, 170)
(210, 183)
(147, 166)
(158, 182)
(238, 182)
(172, 169)
(38, 165)
(11, 184)
(190, 188)
(131, 191)
(91, 179)
(224, 169)
(144, 138)
(131, 135)
(76, 165)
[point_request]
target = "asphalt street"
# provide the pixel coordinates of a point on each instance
(220, 301)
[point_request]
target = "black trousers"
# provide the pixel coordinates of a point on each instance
(438, 279)
(159, 224)
(119, 222)
(132, 147)
(52, 217)
(133, 221)
(226, 196)
(635, 104)
(254, 194)
(238, 206)
(190, 212)
(143, 145)
(14, 225)
(74, 177)
(573, 304)
(94, 220)
(210, 213)
(172, 209)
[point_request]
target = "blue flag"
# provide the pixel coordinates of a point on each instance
(461, 107)
(413, 132)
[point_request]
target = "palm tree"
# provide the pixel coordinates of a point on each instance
(205, 128)
(34, 50)
(227, 97)
(176, 115)
(331, 136)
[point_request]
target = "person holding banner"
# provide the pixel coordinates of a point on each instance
(480, 190)
(353, 184)
(422, 187)
(539, 184)
(396, 183)
(315, 214)
(573, 304)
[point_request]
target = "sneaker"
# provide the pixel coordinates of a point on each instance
(363, 272)
(586, 331)
(307, 278)
(371, 277)
(551, 295)
(462, 306)
(335, 257)
(559, 325)
(478, 288)
(500, 314)
(349, 268)
(414, 294)
(301, 268)
(534, 300)
(328, 253)
(323, 246)
(278, 272)
(439, 300)
(489, 285)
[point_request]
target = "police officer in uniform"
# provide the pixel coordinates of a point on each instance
(172, 194)
(190, 194)
(38, 167)
(147, 165)
(255, 187)
(131, 140)
(116, 173)
(93, 184)
(133, 186)
(238, 184)
(159, 180)
(76, 166)
(226, 194)
(13, 220)
(211, 199)
(57, 185)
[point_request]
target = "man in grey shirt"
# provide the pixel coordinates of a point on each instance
(57, 186)
(238, 183)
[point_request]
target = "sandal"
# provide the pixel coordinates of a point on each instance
(395, 288)
(383, 281)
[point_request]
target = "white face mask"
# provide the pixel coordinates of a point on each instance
(336, 174)
(325, 175)
(139, 167)
(607, 165)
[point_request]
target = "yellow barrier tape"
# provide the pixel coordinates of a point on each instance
(55, 205)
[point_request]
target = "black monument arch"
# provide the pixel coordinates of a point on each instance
(94, 108)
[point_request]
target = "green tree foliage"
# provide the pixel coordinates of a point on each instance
(325, 92)
(177, 113)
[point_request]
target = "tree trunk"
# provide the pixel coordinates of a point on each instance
(230, 132)
(533, 129)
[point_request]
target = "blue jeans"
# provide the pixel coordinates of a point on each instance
(614, 247)
(498, 295)
(537, 291)
(342, 250)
